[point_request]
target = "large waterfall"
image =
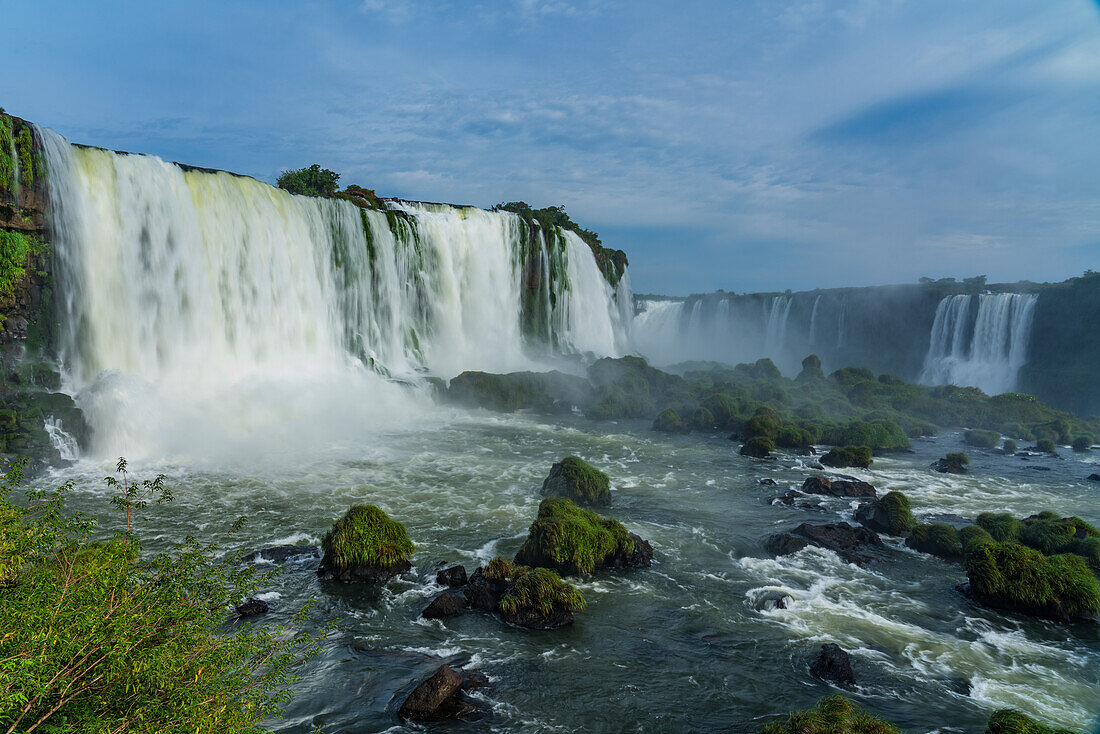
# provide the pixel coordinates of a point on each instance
(985, 349)
(194, 300)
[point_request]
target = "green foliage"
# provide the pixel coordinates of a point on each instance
(16, 249)
(668, 421)
(588, 483)
(958, 458)
(366, 536)
(759, 447)
(793, 437)
(1016, 577)
(1008, 721)
(612, 263)
(1082, 443)
(761, 425)
(101, 637)
(841, 457)
(833, 715)
(1001, 526)
(571, 539)
(29, 167)
(981, 438)
(936, 539)
(7, 164)
(972, 536)
(702, 419)
(899, 512)
(540, 591)
(1045, 444)
(1046, 532)
(499, 569)
(312, 181)
(877, 435)
(1009, 446)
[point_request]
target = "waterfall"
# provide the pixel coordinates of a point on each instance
(186, 294)
(813, 321)
(62, 440)
(775, 325)
(984, 350)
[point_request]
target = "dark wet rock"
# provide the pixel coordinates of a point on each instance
(784, 544)
(768, 482)
(850, 543)
(958, 684)
(425, 703)
(833, 665)
(640, 557)
(473, 679)
(284, 554)
(789, 497)
(1094, 478)
(1038, 468)
(452, 576)
(949, 465)
(815, 465)
(483, 593)
(838, 487)
(447, 604)
(535, 621)
(773, 599)
(252, 607)
(361, 574)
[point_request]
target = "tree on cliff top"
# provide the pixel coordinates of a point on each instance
(312, 181)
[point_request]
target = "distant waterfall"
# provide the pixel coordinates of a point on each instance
(985, 349)
(194, 284)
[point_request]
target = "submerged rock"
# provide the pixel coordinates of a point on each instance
(447, 604)
(1094, 478)
(452, 576)
(252, 607)
(284, 554)
(439, 698)
(773, 599)
(848, 542)
(833, 665)
(838, 487)
(784, 544)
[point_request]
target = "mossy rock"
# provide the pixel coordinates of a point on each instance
(702, 420)
(936, 539)
(1009, 721)
(538, 598)
(669, 421)
(576, 479)
(981, 439)
(365, 546)
(1012, 576)
(846, 456)
(1082, 444)
(1046, 445)
(832, 715)
(758, 447)
(890, 514)
(572, 540)
(1009, 446)
(954, 463)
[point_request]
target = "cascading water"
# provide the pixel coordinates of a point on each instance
(196, 301)
(984, 350)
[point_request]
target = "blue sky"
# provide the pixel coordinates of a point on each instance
(753, 145)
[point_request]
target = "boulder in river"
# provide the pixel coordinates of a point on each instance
(833, 665)
(571, 540)
(954, 463)
(365, 546)
(784, 544)
(251, 607)
(447, 604)
(837, 487)
(576, 479)
(441, 696)
(890, 515)
(848, 542)
(452, 576)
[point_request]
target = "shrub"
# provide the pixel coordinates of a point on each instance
(1045, 444)
(16, 249)
(1001, 526)
(762, 425)
(540, 591)
(792, 437)
(668, 421)
(722, 407)
(1009, 446)
(586, 483)
(1082, 443)
(702, 419)
(1013, 576)
(366, 536)
(958, 457)
(572, 540)
(758, 447)
(312, 181)
(100, 636)
(1008, 721)
(832, 715)
(841, 457)
(980, 438)
(936, 539)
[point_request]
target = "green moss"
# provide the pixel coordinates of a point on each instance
(1009, 446)
(1082, 443)
(668, 421)
(16, 250)
(974, 535)
(702, 419)
(572, 540)
(366, 536)
(841, 457)
(499, 569)
(1001, 526)
(7, 164)
(1008, 721)
(758, 447)
(28, 163)
(1045, 444)
(540, 591)
(832, 715)
(981, 438)
(936, 539)
(1014, 576)
(587, 483)
(899, 512)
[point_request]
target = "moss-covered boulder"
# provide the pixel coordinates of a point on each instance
(1009, 721)
(981, 439)
(537, 598)
(576, 479)
(1082, 444)
(1009, 446)
(832, 715)
(1046, 532)
(572, 540)
(365, 546)
(936, 539)
(544, 392)
(669, 421)
(1011, 576)
(846, 456)
(1046, 445)
(953, 463)
(702, 420)
(890, 514)
(759, 447)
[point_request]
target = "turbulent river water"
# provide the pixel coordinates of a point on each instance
(680, 646)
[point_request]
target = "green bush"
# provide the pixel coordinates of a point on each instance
(539, 591)
(103, 637)
(1013, 576)
(833, 715)
(758, 447)
(312, 181)
(366, 536)
(981, 438)
(1009, 446)
(898, 511)
(572, 540)
(1008, 721)
(1082, 443)
(1045, 444)
(762, 425)
(668, 421)
(841, 457)
(936, 539)
(973, 535)
(702, 419)
(722, 407)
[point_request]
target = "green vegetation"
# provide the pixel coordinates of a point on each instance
(758, 447)
(547, 392)
(898, 512)
(16, 250)
(702, 419)
(312, 181)
(1046, 445)
(1008, 721)
(981, 439)
(1046, 532)
(539, 591)
(100, 636)
(832, 715)
(936, 539)
(7, 164)
(586, 483)
(366, 536)
(1082, 443)
(612, 263)
(572, 540)
(30, 166)
(1009, 446)
(841, 457)
(668, 421)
